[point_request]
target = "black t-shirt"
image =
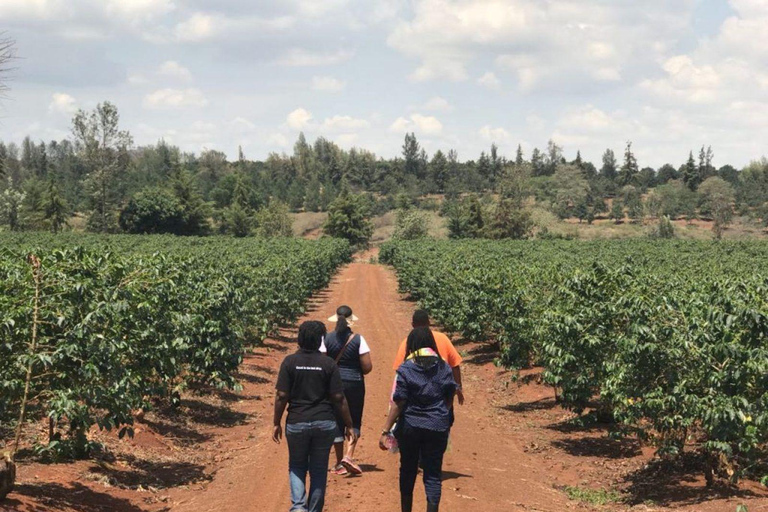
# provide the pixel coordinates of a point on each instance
(309, 378)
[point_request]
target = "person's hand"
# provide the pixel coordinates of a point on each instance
(460, 396)
(351, 435)
(277, 433)
(383, 442)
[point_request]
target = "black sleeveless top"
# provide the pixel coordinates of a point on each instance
(349, 362)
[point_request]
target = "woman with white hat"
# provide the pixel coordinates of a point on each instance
(353, 356)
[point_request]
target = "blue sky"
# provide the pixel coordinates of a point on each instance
(670, 75)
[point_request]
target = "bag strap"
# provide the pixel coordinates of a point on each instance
(341, 352)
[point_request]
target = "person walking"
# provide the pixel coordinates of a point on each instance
(444, 347)
(353, 355)
(422, 401)
(309, 384)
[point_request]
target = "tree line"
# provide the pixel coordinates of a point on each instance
(100, 175)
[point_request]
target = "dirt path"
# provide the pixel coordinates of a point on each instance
(512, 447)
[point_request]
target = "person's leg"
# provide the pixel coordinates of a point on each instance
(433, 445)
(323, 433)
(409, 466)
(297, 436)
(356, 400)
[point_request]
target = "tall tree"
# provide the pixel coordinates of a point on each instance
(690, 173)
(537, 163)
(55, 209)
(629, 170)
(554, 157)
(99, 142)
(519, 159)
(609, 168)
(438, 170)
(411, 154)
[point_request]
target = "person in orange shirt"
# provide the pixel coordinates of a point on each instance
(444, 347)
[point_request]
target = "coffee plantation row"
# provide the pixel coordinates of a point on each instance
(94, 328)
(667, 340)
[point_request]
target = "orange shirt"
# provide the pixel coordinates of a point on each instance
(444, 346)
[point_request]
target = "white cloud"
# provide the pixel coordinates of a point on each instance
(344, 123)
(138, 10)
(198, 27)
(426, 125)
(495, 134)
(299, 57)
(299, 119)
(327, 84)
(62, 103)
(542, 42)
(202, 26)
(175, 98)
(278, 139)
(172, 69)
(490, 81)
(137, 79)
(437, 104)
(243, 124)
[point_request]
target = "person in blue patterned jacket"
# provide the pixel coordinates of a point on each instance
(423, 398)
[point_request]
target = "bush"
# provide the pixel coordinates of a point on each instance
(273, 220)
(349, 218)
(153, 210)
(411, 225)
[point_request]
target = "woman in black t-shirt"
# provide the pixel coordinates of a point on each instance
(352, 354)
(309, 384)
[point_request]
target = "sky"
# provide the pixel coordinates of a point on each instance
(668, 75)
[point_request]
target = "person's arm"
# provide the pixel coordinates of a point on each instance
(281, 401)
(366, 364)
(339, 402)
(459, 389)
(394, 413)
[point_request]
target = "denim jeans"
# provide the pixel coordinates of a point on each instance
(427, 446)
(309, 445)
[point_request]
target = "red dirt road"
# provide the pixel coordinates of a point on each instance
(511, 448)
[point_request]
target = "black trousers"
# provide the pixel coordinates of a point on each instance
(425, 445)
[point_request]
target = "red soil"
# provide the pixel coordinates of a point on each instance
(511, 448)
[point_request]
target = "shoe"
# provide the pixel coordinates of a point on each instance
(351, 466)
(339, 470)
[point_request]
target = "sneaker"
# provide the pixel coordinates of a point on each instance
(350, 465)
(339, 470)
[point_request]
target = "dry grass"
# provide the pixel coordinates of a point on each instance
(308, 224)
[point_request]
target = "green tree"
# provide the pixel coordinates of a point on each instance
(609, 168)
(666, 173)
(717, 197)
(194, 209)
(690, 173)
(55, 209)
(438, 170)
(274, 220)
(153, 210)
(617, 211)
(633, 202)
(571, 189)
(349, 218)
(629, 170)
(411, 155)
(519, 159)
(238, 221)
(466, 218)
(10, 206)
(537, 163)
(411, 224)
(99, 143)
(508, 220)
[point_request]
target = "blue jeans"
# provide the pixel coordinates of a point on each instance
(309, 445)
